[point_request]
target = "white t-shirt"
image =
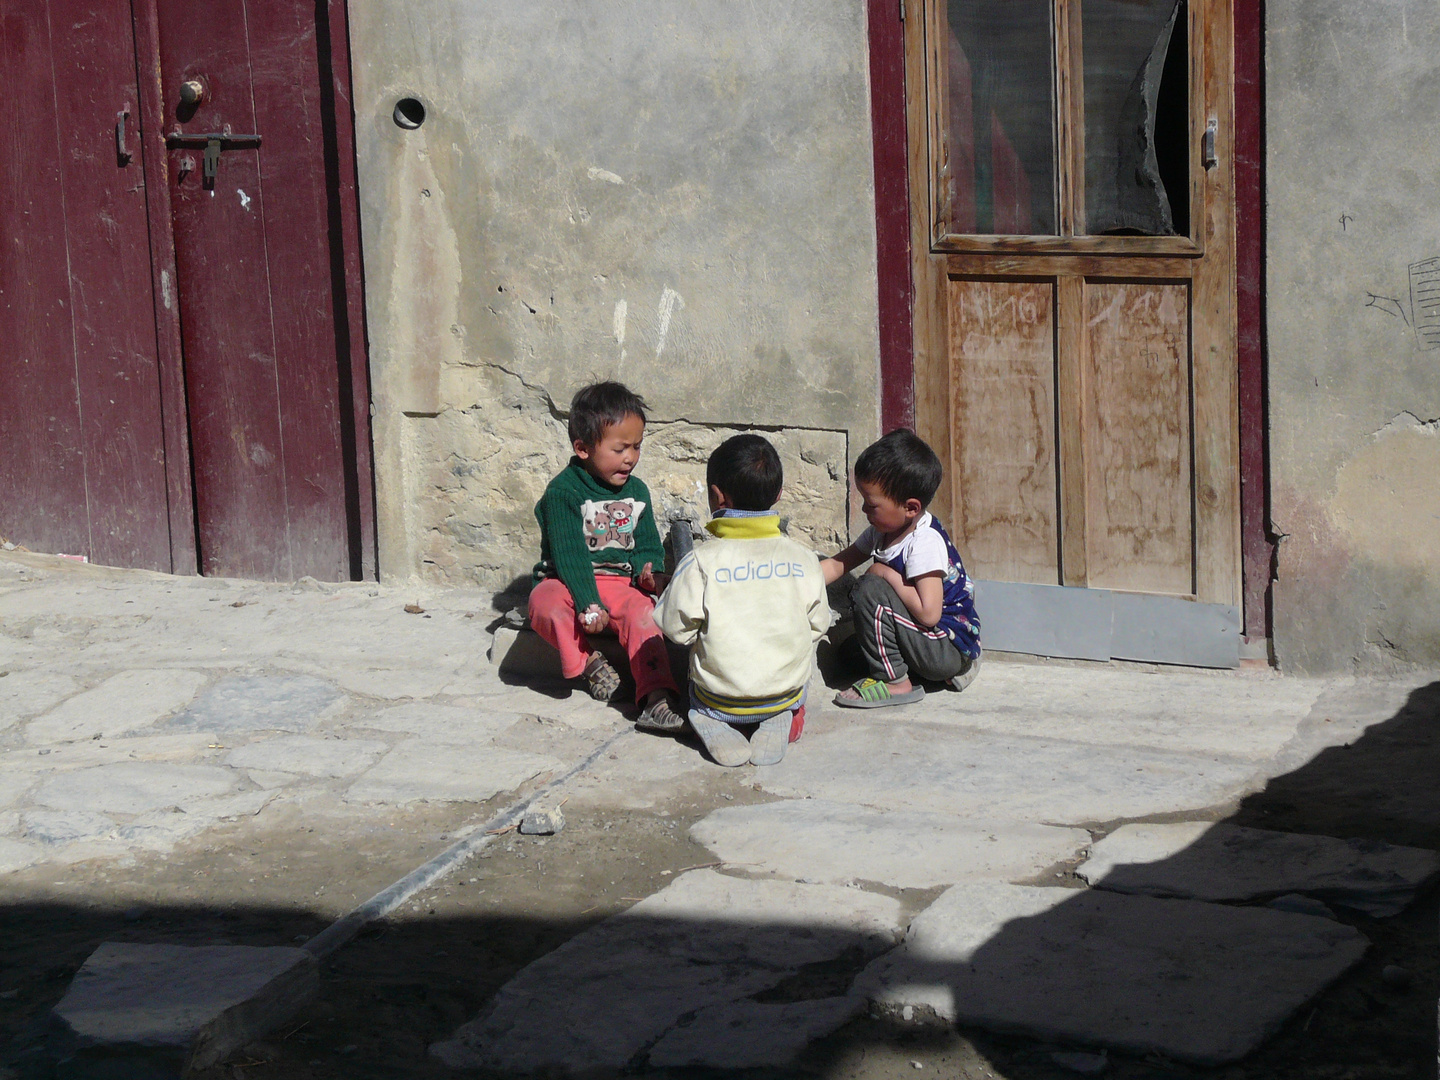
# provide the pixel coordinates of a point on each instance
(922, 548)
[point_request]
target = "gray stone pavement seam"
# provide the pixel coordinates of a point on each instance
(392, 896)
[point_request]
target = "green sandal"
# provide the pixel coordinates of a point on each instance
(875, 694)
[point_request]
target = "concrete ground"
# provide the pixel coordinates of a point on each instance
(205, 762)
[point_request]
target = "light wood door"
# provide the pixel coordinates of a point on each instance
(1072, 224)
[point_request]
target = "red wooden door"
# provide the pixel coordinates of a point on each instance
(83, 465)
(268, 325)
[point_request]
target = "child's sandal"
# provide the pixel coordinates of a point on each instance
(601, 677)
(661, 717)
(874, 694)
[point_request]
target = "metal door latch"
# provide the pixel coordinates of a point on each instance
(213, 142)
(1207, 145)
(122, 149)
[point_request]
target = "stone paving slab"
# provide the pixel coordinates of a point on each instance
(15, 855)
(180, 749)
(121, 704)
(639, 772)
(134, 787)
(1203, 861)
(308, 755)
(419, 771)
(820, 840)
(65, 826)
(193, 1005)
(245, 703)
(705, 943)
(750, 1035)
(438, 723)
(160, 830)
(24, 694)
(903, 763)
(1250, 715)
(1200, 983)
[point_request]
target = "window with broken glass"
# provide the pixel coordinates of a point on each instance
(1059, 118)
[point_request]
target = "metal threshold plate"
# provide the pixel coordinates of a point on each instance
(1098, 624)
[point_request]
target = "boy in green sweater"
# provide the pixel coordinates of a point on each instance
(598, 551)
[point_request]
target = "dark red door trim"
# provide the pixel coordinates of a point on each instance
(333, 31)
(1257, 550)
(179, 481)
(892, 214)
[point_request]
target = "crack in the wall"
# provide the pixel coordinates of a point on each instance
(556, 412)
(1407, 421)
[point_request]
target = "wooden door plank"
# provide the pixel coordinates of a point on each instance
(932, 364)
(1115, 267)
(224, 294)
(1140, 528)
(42, 472)
(1072, 415)
(306, 271)
(107, 238)
(1002, 362)
(154, 160)
(1217, 443)
(1070, 107)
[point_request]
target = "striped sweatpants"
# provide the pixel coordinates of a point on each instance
(893, 643)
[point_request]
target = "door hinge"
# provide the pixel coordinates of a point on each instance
(902, 10)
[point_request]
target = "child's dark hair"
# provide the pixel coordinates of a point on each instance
(901, 465)
(597, 406)
(747, 469)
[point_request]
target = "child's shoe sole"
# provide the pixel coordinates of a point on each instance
(767, 745)
(726, 745)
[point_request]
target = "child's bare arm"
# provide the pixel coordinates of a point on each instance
(839, 565)
(924, 598)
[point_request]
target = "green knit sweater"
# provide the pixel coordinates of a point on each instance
(588, 527)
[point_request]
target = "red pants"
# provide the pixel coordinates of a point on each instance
(632, 618)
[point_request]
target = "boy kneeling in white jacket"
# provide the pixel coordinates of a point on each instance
(750, 605)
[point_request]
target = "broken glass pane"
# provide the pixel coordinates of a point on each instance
(1001, 116)
(1137, 117)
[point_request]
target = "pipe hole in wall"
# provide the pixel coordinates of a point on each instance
(409, 113)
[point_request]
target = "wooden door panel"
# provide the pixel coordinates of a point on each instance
(1139, 525)
(84, 468)
(1002, 470)
(225, 312)
(1138, 468)
(42, 472)
(286, 78)
(256, 284)
(108, 239)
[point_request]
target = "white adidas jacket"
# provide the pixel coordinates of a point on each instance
(751, 604)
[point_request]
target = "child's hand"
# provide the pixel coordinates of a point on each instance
(650, 581)
(595, 619)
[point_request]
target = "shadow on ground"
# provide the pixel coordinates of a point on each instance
(413, 980)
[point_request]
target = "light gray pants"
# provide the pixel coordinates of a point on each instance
(893, 643)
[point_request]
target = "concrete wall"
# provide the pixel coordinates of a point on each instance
(1353, 97)
(675, 193)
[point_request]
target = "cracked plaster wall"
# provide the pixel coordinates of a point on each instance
(1353, 324)
(675, 193)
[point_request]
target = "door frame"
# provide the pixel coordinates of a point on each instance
(352, 344)
(904, 266)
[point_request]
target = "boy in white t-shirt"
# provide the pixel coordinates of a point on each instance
(915, 605)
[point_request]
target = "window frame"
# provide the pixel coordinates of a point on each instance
(1068, 73)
